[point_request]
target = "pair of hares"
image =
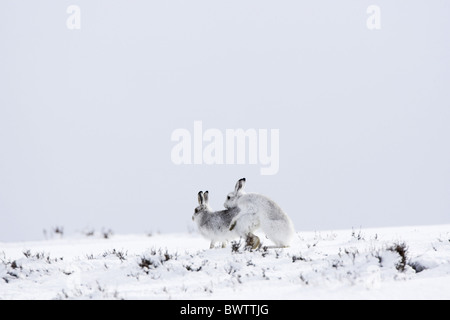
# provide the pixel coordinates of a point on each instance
(245, 213)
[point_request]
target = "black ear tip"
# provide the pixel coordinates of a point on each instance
(201, 192)
(243, 179)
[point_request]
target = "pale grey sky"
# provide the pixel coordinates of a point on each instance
(86, 116)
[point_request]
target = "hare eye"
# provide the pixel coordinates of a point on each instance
(229, 198)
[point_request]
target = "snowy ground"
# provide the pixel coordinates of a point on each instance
(388, 263)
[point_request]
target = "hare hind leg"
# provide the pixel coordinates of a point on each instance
(252, 241)
(280, 232)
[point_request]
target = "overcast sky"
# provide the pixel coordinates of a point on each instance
(87, 115)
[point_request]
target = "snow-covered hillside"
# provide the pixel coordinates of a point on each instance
(388, 263)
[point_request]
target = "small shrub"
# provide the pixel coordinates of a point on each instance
(155, 260)
(230, 269)
(107, 234)
(59, 231)
(303, 279)
(41, 256)
(191, 268)
(298, 258)
(358, 236)
(89, 233)
(264, 250)
(14, 265)
(236, 246)
(147, 264)
(119, 254)
(402, 250)
(250, 263)
(336, 263)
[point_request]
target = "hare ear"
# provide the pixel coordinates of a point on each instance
(206, 196)
(201, 198)
(239, 185)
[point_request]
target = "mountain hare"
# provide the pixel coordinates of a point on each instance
(212, 225)
(256, 209)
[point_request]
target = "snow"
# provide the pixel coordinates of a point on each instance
(342, 264)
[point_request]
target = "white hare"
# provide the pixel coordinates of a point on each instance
(257, 209)
(212, 225)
